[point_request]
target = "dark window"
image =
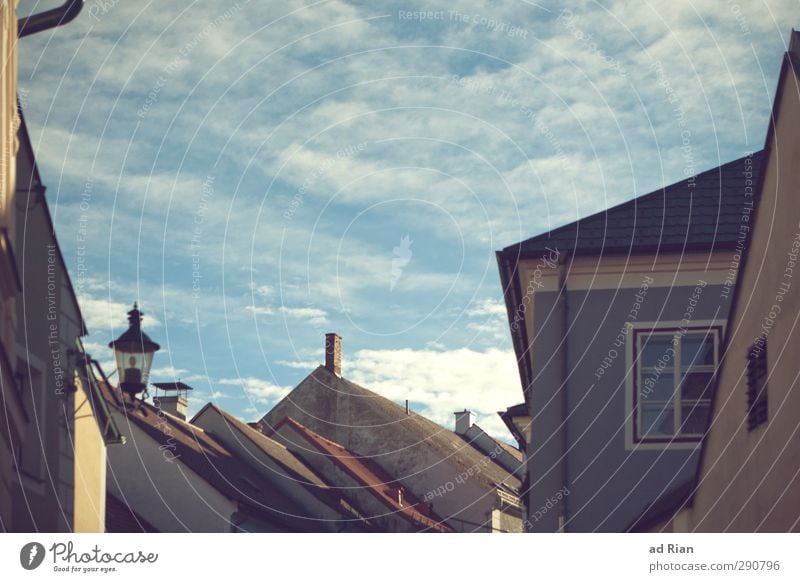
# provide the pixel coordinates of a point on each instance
(673, 379)
(757, 384)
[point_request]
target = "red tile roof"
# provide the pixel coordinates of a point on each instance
(373, 478)
(296, 470)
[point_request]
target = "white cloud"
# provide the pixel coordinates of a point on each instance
(258, 390)
(169, 372)
(105, 315)
(312, 314)
(439, 383)
(259, 310)
(488, 307)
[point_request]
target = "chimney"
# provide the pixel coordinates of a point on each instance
(174, 405)
(333, 353)
(171, 397)
(464, 420)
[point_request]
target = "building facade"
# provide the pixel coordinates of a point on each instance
(617, 321)
(13, 419)
(748, 476)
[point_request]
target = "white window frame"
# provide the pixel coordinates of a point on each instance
(633, 408)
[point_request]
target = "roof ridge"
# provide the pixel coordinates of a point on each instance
(633, 202)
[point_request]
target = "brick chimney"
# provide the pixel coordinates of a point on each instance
(333, 353)
(464, 420)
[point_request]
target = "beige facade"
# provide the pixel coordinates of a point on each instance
(13, 418)
(748, 479)
(89, 504)
(53, 437)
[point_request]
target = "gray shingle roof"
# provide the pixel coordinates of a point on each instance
(373, 426)
(704, 211)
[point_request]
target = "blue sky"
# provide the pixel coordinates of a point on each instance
(256, 174)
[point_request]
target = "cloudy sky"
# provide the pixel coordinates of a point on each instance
(256, 174)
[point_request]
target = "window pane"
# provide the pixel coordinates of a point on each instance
(654, 348)
(657, 386)
(657, 420)
(697, 349)
(696, 386)
(695, 418)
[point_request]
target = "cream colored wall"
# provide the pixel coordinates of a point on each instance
(8, 121)
(90, 466)
(749, 479)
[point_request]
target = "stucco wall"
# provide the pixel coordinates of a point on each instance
(8, 90)
(90, 466)
(49, 323)
(608, 483)
(749, 480)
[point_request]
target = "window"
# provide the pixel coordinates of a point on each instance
(757, 384)
(673, 371)
(31, 459)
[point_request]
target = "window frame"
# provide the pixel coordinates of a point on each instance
(633, 423)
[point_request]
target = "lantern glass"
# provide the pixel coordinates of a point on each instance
(133, 366)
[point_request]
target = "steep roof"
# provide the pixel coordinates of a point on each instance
(371, 425)
(204, 455)
(373, 478)
(704, 211)
(515, 453)
(295, 469)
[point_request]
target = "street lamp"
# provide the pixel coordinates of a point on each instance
(133, 351)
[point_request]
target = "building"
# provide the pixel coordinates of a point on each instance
(53, 433)
(388, 506)
(59, 461)
(287, 470)
(470, 490)
(748, 476)
(176, 477)
(14, 418)
(617, 321)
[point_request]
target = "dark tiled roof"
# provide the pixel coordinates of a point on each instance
(295, 469)
(204, 455)
(374, 479)
(319, 399)
(704, 211)
(513, 451)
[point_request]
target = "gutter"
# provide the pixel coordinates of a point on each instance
(48, 19)
(562, 286)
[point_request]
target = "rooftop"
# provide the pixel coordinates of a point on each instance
(322, 397)
(205, 456)
(373, 478)
(704, 211)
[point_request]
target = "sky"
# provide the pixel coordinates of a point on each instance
(256, 174)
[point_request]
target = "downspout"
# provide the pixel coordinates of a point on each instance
(562, 286)
(48, 19)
